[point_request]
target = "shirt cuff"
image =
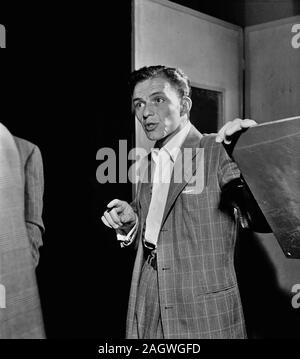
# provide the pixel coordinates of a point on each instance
(127, 239)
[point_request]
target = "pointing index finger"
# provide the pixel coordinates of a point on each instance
(113, 203)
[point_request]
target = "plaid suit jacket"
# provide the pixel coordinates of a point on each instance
(20, 311)
(198, 292)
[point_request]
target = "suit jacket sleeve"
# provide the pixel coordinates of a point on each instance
(128, 236)
(237, 194)
(34, 190)
(228, 170)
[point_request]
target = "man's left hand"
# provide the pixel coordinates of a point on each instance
(232, 127)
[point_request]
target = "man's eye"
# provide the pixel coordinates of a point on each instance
(138, 105)
(159, 100)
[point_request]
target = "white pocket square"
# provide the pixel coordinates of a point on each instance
(190, 190)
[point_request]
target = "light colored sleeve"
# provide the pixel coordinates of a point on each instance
(34, 190)
(127, 239)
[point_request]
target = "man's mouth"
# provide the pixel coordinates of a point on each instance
(150, 126)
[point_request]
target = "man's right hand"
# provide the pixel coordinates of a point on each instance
(119, 215)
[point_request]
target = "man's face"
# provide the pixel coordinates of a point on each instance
(157, 107)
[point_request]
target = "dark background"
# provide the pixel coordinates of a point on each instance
(64, 87)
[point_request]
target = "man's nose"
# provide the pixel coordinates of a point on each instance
(148, 111)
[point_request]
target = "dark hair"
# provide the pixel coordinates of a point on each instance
(174, 75)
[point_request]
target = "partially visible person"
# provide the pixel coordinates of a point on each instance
(21, 187)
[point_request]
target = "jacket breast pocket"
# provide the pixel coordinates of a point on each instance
(218, 292)
(192, 199)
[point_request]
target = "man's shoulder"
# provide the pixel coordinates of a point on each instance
(208, 142)
(25, 148)
(24, 144)
(205, 138)
(209, 138)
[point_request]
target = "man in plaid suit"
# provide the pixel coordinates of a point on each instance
(21, 192)
(184, 284)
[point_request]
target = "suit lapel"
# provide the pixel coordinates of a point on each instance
(184, 168)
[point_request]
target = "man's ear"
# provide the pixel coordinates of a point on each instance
(186, 105)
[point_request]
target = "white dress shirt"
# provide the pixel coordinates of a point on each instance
(164, 160)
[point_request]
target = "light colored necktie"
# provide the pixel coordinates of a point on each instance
(160, 188)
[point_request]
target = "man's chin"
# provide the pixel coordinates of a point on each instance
(152, 136)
